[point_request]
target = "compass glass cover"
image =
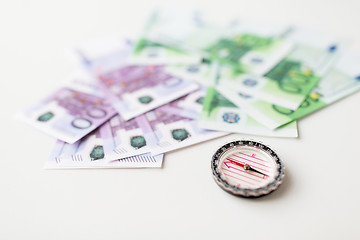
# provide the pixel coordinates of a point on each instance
(247, 167)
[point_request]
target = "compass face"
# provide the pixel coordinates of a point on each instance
(247, 169)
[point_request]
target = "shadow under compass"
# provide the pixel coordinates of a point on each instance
(280, 192)
(275, 195)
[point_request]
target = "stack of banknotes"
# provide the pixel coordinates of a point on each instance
(186, 80)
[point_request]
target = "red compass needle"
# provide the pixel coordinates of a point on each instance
(246, 167)
(236, 163)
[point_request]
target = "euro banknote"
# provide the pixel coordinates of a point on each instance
(170, 27)
(166, 132)
(204, 73)
(101, 54)
(150, 52)
(64, 156)
(134, 90)
(247, 46)
(291, 80)
(122, 138)
(69, 113)
(221, 114)
(340, 81)
(116, 143)
(147, 52)
(189, 106)
(85, 82)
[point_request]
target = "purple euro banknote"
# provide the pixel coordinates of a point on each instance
(66, 155)
(116, 144)
(122, 138)
(134, 90)
(68, 114)
(166, 132)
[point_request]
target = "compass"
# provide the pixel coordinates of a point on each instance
(247, 169)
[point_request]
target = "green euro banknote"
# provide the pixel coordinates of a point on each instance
(220, 114)
(340, 81)
(292, 79)
(247, 46)
(149, 50)
(204, 73)
(248, 51)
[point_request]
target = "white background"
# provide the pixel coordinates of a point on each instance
(319, 198)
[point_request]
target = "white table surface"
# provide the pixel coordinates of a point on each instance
(319, 198)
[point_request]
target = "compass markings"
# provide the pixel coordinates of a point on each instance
(228, 165)
(253, 156)
(241, 175)
(238, 179)
(235, 160)
(251, 161)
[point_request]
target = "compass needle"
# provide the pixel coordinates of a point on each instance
(237, 163)
(246, 167)
(254, 170)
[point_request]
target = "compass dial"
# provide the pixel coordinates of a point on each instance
(247, 169)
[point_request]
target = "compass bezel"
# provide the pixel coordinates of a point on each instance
(242, 192)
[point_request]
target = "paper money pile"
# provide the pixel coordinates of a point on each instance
(188, 80)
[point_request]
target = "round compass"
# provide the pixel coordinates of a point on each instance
(247, 169)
